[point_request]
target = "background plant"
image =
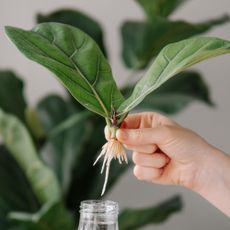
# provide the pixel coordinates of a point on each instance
(55, 132)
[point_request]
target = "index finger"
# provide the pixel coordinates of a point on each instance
(146, 120)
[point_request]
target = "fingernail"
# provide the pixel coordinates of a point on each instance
(122, 134)
(123, 125)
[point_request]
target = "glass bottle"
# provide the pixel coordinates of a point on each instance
(98, 215)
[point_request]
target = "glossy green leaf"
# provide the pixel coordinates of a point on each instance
(173, 59)
(75, 59)
(19, 143)
(15, 191)
(162, 8)
(64, 136)
(51, 216)
(61, 150)
(175, 94)
(11, 94)
(79, 20)
(51, 111)
(144, 40)
(70, 122)
(131, 219)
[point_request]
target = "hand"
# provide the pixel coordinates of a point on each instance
(166, 153)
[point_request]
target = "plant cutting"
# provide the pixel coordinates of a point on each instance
(63, 132)
(79, 64)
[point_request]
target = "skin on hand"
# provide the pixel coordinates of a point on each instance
(166, 153)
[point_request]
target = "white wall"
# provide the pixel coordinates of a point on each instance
(213, 124)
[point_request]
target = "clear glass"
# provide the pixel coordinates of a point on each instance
(98, 215)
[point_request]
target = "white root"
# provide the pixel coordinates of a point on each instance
(101, 154)
(112, 149)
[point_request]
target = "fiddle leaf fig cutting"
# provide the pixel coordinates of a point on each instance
(75, 59)
(79, 64)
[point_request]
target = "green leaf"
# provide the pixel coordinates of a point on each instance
(173, 59)
(144, 40)
(175, 94)
(131, 219)
(15, 191)
(19, 143)
(66, 130)
(79, 20)
(61, 151)
(61, 148)
(51, 216)
(69, 122)
(51, 111)
(11, 94)
(162, 8)
(75, 59)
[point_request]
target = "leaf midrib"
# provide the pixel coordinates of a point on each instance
(76, 67)
(155, 85)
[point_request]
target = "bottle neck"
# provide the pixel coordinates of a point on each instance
(98, 213)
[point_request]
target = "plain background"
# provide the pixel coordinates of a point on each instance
(211, 123)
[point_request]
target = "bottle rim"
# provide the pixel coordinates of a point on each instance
(99, 207)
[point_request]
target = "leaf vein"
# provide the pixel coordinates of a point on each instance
(98, 70)
(82, 76)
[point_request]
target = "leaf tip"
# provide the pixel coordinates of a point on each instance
(9, 30)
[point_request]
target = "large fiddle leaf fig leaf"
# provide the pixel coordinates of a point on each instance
(11, 94)
(173, 59)
(51, 111)
(162, 8)
(75, 59)
(51, 216)
(66, 130)
(131, 219)
(79, 20)
(17, 140)
(143, 40)
(15, 191)
(61, 151)
(175, 94)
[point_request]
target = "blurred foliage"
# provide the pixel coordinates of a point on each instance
(131, 219)
(59, 138)
(11, 94)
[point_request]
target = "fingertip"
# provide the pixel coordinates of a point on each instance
(135, 157)
(136, 172)
(147, 173)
